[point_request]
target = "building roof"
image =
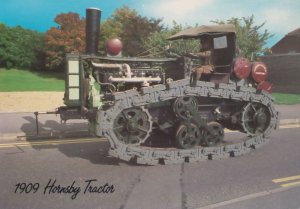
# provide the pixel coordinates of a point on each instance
(290, 43)
(294, 33)
(204, 29)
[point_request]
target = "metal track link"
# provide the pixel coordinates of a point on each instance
(158, 93)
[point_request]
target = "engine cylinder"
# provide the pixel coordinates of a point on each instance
(92, 30)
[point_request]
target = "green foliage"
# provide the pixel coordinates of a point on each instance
(158, 45)
(130, 27)
(20, 48)
(251, 38)
(68, 37)
(289, 99)
(24, 80)
(141, 36)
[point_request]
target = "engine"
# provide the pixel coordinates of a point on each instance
(124, 76)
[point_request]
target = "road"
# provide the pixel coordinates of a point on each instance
(268, 177)
(24, 124)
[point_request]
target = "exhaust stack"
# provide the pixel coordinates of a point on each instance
(92, 30)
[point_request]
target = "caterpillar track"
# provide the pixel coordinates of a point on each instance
(192, 127)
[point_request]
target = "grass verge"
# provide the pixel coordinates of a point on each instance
(23, 80)
(288, 99)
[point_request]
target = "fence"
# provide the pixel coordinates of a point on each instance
(284, 72)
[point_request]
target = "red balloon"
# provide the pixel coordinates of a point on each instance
(114, 46)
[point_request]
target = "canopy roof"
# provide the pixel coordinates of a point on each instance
(202, 30)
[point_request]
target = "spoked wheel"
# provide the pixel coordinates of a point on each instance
(133, 126)
(255, 118)
(214, 134)
(187, 135)
(184, 107)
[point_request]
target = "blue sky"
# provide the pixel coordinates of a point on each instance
(281, 16)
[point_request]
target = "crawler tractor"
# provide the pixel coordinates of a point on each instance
(154, 111)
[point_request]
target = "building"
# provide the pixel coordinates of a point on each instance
(288, 44)
(284, 64)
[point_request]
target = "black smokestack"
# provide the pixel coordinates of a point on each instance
(92, 30)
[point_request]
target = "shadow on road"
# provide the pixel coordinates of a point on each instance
(95, 152)
(51, 127)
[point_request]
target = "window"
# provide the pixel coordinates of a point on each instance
(220, 42)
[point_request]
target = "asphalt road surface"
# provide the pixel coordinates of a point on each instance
(25, 124)
(77, 173)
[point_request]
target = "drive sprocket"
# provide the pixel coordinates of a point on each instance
(133, 125)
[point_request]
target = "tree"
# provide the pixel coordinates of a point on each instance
(158, 45)
(251, 40)
(20, 48)
(131, 28)
(68, 37)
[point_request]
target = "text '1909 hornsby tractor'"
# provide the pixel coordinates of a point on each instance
(170, 110)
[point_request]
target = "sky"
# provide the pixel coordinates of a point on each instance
(280, 16)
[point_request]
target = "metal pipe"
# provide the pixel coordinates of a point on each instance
(92, 30)
(103, 84)
(115, 66)
(128, 70)
(135, 79)
(37, 119)
(107, 65)
(36, 123)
